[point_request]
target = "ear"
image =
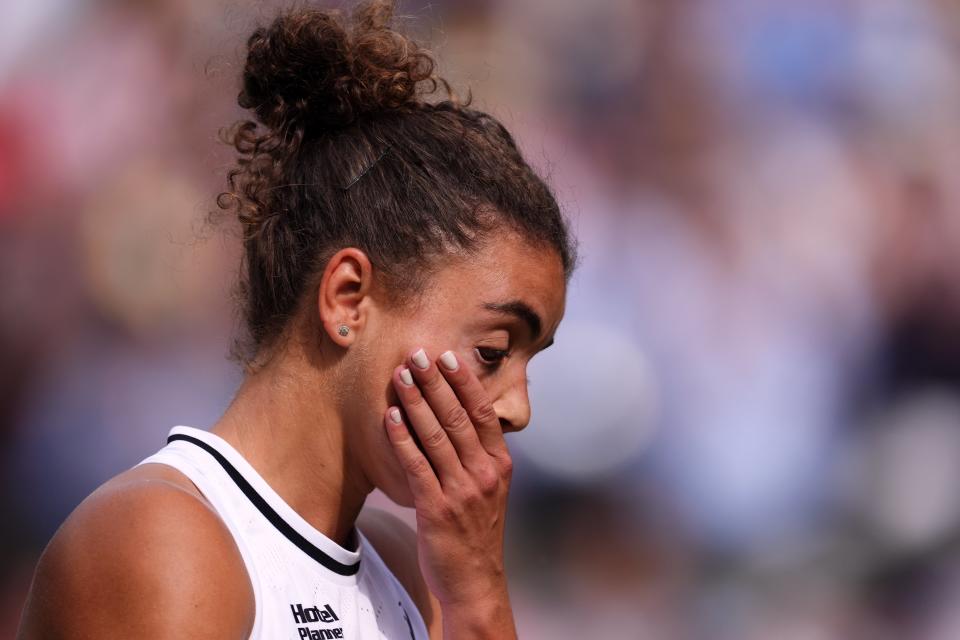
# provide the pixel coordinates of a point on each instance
(343, 294)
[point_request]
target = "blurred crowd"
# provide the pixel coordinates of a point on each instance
(749, 427)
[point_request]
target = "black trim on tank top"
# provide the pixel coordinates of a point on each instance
(268, 512)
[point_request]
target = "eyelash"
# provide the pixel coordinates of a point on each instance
(498, 356)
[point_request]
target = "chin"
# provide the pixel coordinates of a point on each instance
(398, 492)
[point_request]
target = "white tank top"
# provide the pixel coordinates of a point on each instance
(306, 586)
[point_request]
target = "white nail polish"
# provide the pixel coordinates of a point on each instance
(420, 359)
(449, 361)
(395, 415)
(406, 376)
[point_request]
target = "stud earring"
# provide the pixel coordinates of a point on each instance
(343, 330)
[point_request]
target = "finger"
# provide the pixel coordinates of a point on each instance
(452, 415)
(434, 439)
(421, 478)
(475, 399)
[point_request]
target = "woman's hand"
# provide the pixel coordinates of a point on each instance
(459, 489)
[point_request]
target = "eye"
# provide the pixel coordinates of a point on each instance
(489, 357)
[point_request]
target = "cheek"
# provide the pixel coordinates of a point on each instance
(434, 343)
(390, 477)
(405, 341)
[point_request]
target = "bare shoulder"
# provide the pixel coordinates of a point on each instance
(396, 542)
(143, 556)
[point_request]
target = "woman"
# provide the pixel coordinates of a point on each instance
(402, 264)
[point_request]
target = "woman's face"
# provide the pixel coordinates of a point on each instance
(496, 310)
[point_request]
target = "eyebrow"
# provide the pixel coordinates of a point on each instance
(521, 310)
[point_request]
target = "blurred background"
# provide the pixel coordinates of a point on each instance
(749, 427)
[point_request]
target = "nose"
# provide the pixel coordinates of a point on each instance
(513, 407)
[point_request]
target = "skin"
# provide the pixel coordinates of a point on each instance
(315, 421)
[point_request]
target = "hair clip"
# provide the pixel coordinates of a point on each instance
(367, 168)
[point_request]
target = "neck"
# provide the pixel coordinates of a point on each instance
(284, 421)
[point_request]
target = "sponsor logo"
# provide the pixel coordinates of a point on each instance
(303, 615)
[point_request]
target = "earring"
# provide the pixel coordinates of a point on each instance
(343, 330)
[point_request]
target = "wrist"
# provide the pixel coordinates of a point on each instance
(488, 617)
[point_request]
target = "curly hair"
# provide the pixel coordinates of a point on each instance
(346, 149)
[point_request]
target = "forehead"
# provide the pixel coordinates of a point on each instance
(506, 268)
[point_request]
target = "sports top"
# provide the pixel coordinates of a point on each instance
(306, 586)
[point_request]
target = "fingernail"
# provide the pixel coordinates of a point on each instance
(406, 376)
(420, 359)
(449, 361)
(395, 415)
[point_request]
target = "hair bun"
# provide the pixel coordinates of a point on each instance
(311, 70)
